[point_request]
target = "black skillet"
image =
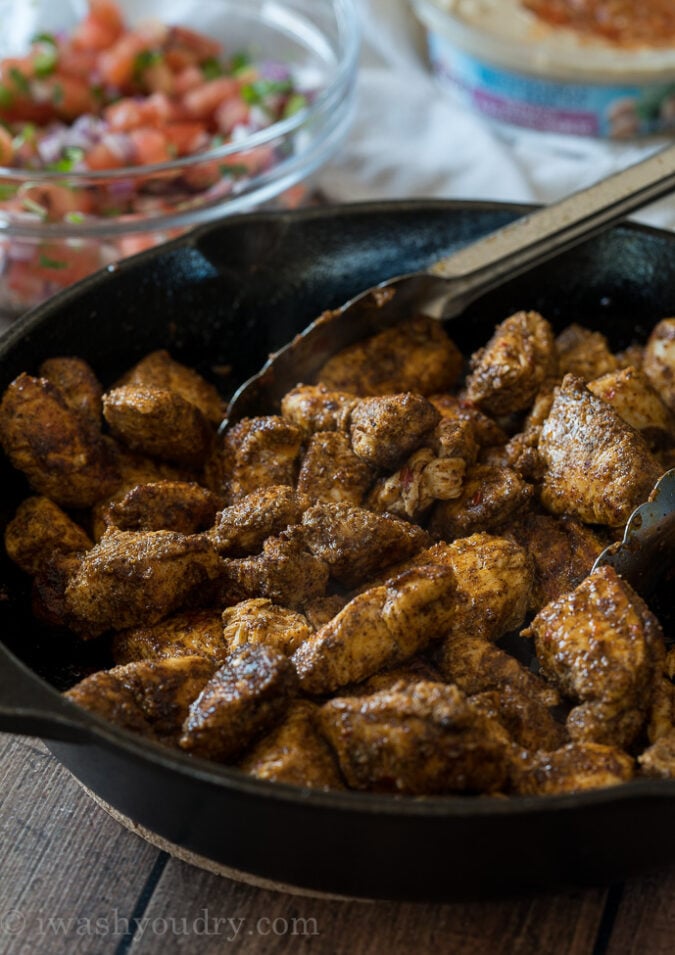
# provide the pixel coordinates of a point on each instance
(224, 297)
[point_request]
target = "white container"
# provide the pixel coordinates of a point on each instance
(510, 66)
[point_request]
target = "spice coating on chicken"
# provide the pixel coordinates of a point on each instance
(182, 506)
(658, 760)
(247, 696)
(385, 430)
(190, 633)
(260, 621)
(632, 396)
(381, 627)
(132, 578)
(316, 408)
(604, 649)
(419, 740)
(79, 386)
(295, 752)
(490, 497)
(584, 353)
(455, 408)
(416, 355)
(598, 468)
(575, 767)
(526, 719)
(242, 528)
(258, 453)
(659, 360)
(509, 371)
(332, 472)
(40, 529)
(43, 437)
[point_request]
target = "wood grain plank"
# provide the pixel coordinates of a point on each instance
(645, 922)
(64, 864)
(202, 908)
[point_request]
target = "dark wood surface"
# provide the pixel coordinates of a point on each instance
(73, 880)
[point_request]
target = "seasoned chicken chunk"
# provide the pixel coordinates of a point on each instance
(79, 386)
(190, 633)
(634, 399)
(43, 437)
(604, 649)
(584, 353)
(381, 627)
(332, 472)
(295, 752)
(658, 760)
(420, 740)
(416, 355)
(526, 719)
(659, 360)
(575, 767)
(242, 528)
(355, 543)
(182, 506)
(159, 423)
(509, 371)
(148, 696)
(598, 468)
(247, 696)
(259, 453)
(490, 497)
(316, 408)
(486, 431)
(416, 670)
(160, 370)
(40, 529)
(260, 621)
(320, 610)
(132, 578)
(49, 603)
(385, 430)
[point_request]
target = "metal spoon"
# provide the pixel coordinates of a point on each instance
(446, 288)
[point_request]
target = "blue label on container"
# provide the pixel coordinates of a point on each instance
(617, 112)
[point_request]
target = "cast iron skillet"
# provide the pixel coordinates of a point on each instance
(227, 295)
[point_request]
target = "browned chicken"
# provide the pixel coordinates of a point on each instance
(490, 497)
(246, 697)
(132, 578)
(659, 360)
(385, 430)
(659, 759)
(242, 528)
(260, 621)
(416, 355)
(258, 453)
(79, 386)
(604, 649)
(525, 718)
(40, 529)
(574, 767)
(159, 423)
(295, 752)
(509, 371)
(43, 437)
(160, 370)
(632, 396)
(182, 506)
(355, 543)
(316, 408)
(486, 431)
(420, 740)
(148, 696)
(49, 602)
(584, 353)
(190, 633)
(598, 468)
(332, 472)
(320, 610)
(416, 670)
(381, 627)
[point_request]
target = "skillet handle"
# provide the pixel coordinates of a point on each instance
(30, 707)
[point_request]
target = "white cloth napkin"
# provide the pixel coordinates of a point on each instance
(410, 139)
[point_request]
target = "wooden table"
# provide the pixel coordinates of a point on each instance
(72, 880)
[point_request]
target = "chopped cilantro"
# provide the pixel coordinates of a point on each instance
(256, 93)
(44, 38)
(70, 157)
(7, 191)
(144, 60)
(57, 94)
(211, 68)
(6, 96)
(20, 80)
(48, 263)
(234, 170)
(294, 103)
(240, 61)
(76, 218)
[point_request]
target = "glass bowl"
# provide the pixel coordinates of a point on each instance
(58, 226)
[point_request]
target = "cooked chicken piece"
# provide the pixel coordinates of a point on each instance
(332, 472)
(477, 666)
(662, 716)
(486, 431)
(160, 370)
(634, 399)
(258, 453)
(49, 603)
(509, 371)
(598, 468)
(79, 386)
(246, 697)
(242, 528)
(322, 609)
(355, 544)
(43, 437)
(295, 752)
(562, 551)
(315, 408)
(191, 633)
(132, 578)
(159, 423)
(526, 719)
(416, 355)
(584, 353)
(420, 740)
(39, 529)
(260, 621)
(182, 506)
(490, 497)
(604, 649)
(417, 670)
(521, 452)
(658, 760)
(632, 355)
(659, 360)
(381, 627)
(669, 667)
(285, 572)
(385, 430)
(151, 697)
(573, 768)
